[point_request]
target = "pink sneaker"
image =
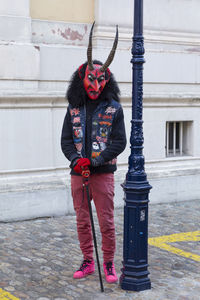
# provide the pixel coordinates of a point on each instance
(87, 267)
(110, 273)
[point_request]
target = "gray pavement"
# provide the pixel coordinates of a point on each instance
(38, 257)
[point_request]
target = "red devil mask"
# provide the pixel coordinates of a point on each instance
(94, 81)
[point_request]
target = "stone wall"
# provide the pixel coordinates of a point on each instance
(37, 58)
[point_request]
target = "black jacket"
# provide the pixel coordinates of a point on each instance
(117, 136)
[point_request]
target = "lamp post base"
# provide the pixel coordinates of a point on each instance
(131, 284)
(135, 272)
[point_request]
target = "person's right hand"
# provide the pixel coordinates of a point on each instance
(81, 164)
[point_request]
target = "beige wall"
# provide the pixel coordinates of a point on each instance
(78, 11)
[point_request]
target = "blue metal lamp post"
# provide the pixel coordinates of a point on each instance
(136, 187)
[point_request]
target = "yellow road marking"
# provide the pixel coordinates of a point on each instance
(7, 296)
(161, 242)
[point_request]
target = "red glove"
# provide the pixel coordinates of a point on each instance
(81, 164)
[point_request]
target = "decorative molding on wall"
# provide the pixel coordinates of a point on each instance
(13, 90)
(76, 34)
(171, 37)
(55, 178)
(52, 101)
(171, 102)
(103, 35)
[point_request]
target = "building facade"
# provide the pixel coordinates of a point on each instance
(42, 43)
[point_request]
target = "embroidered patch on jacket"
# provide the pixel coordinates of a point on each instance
(110, 110)
(103, 146)
(105, 123)
(95, 146)
(95, 154)
(101, 139)
(78, 133)
(76, 120)
(103, 132)
(74, 112)
(105, 117)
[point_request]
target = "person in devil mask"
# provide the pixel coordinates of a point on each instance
(93, 135)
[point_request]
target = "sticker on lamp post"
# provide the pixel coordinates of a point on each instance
(142, 215)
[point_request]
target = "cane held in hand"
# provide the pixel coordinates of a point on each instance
(86, 174)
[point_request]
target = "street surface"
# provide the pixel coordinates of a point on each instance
(38, 258)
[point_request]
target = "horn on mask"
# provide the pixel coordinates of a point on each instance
(89, 50)
(112, 53)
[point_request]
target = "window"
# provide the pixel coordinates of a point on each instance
(178, 138)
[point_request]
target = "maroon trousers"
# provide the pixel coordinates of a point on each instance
(101, 188)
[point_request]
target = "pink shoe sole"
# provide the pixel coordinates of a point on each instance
(81, 275)
(111, 279)
(87, 268)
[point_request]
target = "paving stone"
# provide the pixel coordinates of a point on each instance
(38, 258)
(9, 288)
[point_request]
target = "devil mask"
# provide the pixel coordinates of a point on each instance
(94, 81)
(95, 77)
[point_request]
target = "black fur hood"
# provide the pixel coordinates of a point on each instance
(76, 94)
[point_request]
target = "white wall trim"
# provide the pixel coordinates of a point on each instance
(22, 91)
(28, 178)
(171, 37)
(51, 101)
(67, 33)
(103, 35)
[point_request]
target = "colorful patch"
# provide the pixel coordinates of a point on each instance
(95, 154)
(95, 146)
(105, 123)
(105, 117)
(110, 110)
(101, 139)
(103, 132)
(77, 120)
(74, 112)
(78, 133)
(103, 146)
